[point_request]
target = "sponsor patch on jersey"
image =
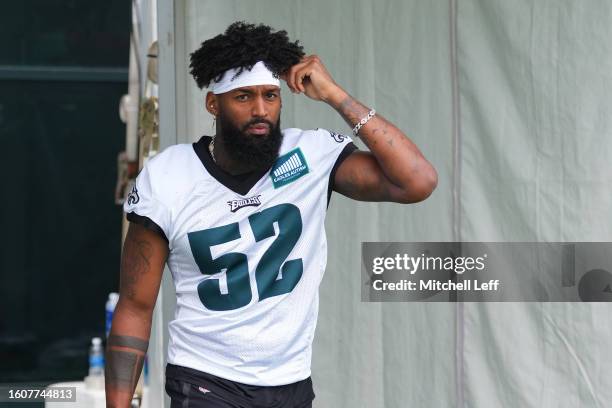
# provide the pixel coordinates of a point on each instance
(288, 168)
(133, 197)
(235, 205)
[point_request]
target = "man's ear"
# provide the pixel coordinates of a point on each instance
(211, 103)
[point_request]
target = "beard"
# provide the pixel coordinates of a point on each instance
(257, 152)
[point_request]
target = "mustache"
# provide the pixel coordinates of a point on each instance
(258, 122)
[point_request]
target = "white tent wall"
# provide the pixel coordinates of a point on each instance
(508, 101)
(367, 354)
(536, 135)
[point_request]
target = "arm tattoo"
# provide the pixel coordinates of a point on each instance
(352, 111)
(128, 342)
(134, 263)
(122, 369)
(395, 169)
(124, 361)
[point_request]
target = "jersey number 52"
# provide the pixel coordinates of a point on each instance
(274, 274)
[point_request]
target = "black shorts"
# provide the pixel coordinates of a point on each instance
(189, 388)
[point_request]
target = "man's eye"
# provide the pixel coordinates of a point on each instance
(272, 95)
(242, 97)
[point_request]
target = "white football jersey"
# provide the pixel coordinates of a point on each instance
(246, 254)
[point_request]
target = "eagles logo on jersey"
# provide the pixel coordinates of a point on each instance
(133, 198)
(237, 204)
(246, 279)
(339, 138)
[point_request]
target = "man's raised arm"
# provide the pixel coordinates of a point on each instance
(393, 170)
(142, 264)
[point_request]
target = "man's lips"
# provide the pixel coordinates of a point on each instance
(259, 129)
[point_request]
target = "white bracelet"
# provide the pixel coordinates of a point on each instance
(363, 121)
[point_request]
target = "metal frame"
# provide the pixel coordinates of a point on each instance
(172, 125)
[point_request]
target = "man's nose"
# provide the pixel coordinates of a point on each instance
(259, 107)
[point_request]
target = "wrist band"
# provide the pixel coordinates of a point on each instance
(363, 121)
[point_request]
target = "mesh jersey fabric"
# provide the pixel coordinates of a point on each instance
(246, 257)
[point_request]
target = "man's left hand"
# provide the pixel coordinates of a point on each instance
(310, 77)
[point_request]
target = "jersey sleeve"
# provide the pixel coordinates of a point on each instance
(336, 147)
(332, 148)
(144, 208)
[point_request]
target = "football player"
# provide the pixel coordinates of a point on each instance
(239, 219)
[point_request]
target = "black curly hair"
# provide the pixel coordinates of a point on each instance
(242, 46)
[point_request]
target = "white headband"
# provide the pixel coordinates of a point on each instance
(258, 75)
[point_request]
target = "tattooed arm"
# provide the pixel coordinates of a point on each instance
(393, 170)
(142, 264)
